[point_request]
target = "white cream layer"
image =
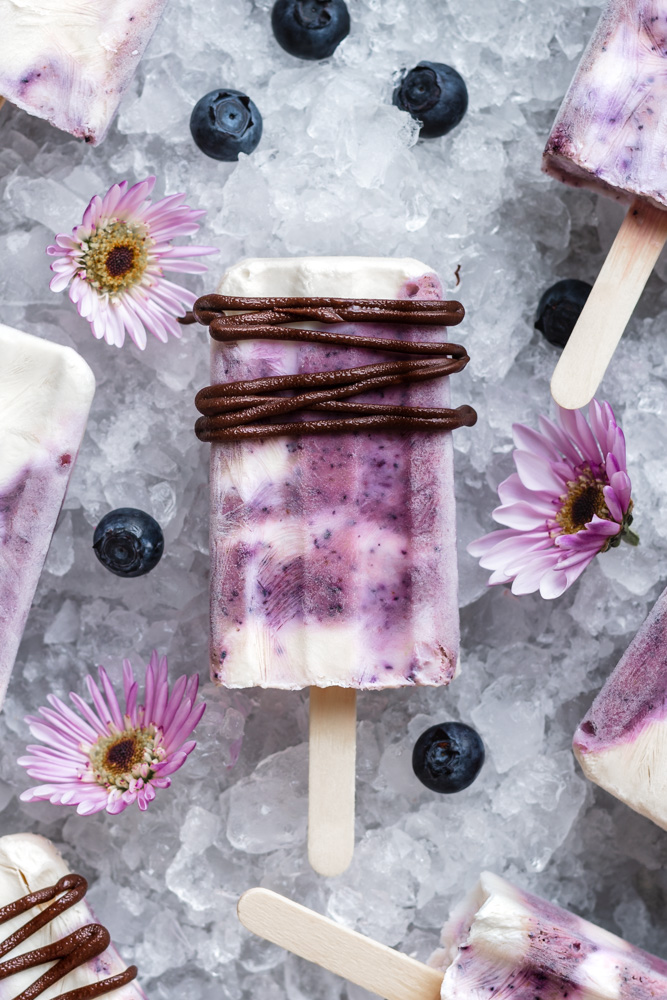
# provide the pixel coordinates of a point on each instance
(70, 61)
(341, 277)
(45, 395)
(635, 771)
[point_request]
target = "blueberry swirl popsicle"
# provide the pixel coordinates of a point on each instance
(51, 945)
(333, 555)
(45, 395)
(500, 942)
(71, 61)
(505, 942)
(609, 136)
(621, 743)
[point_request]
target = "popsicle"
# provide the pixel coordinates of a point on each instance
(48, 930)
(621, 743)
(609, 136)
(500, 942)
(45, 394)
(333, 555)
(71, 61)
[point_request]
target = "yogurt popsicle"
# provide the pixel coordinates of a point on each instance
(500, 942)
(71, 61)
(333, 540)
(29, 865)
(621, 743)
(45, 394)
(333, 557)
(609, 136)
(608, 133)
(504, 942)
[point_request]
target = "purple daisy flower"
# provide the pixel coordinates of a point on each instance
(115, 262)
(568, 500)
(102, 758)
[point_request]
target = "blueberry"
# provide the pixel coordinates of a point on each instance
(225, 123)
(559, 309)
(128, 542)
(435, 95)
(310, 29)
(448, 758)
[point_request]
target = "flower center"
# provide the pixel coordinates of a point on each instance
(583, 500)
(115, 257)
(123, 757)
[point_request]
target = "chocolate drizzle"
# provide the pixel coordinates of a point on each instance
(69, 953)
(237, 410)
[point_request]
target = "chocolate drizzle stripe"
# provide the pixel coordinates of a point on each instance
(231, 411)
(69, 953)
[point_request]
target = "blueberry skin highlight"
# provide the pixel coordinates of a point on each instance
(448, 757)
(224, 123)
(559, 309)
(310, 29)
(435, 95)
(128, 542)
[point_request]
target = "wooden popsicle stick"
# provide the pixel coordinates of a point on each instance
(609, 306)
(367, 963)
(331, 778)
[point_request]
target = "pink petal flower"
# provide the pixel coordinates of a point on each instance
(568, 468)
(78, 766)
(138, 300)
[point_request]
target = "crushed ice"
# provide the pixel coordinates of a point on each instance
(339, 171)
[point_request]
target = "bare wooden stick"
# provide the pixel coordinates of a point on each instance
(331, 778)
(367, 963)
(606, 314)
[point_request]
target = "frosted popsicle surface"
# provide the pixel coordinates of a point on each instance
(621, 743)
(71, 61)
(45, 395)
(609, 134)
(29, 863)
(505, 943)
(333, 558)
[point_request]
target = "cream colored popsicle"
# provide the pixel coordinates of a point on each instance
(500, 942)
(71, 61)
(45, 395)
(29, 863)
(609, 136)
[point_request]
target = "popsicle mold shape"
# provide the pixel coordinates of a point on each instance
(621, 743)
(609, 132)
(30, 864)
(71, 61)
(333, 557)
(45, 395)
(504, 942)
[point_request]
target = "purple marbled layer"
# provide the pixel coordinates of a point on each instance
(635, 693)
(71, 61)
(358, 530)
(609, 134)
(505, 942)
(29, 508)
